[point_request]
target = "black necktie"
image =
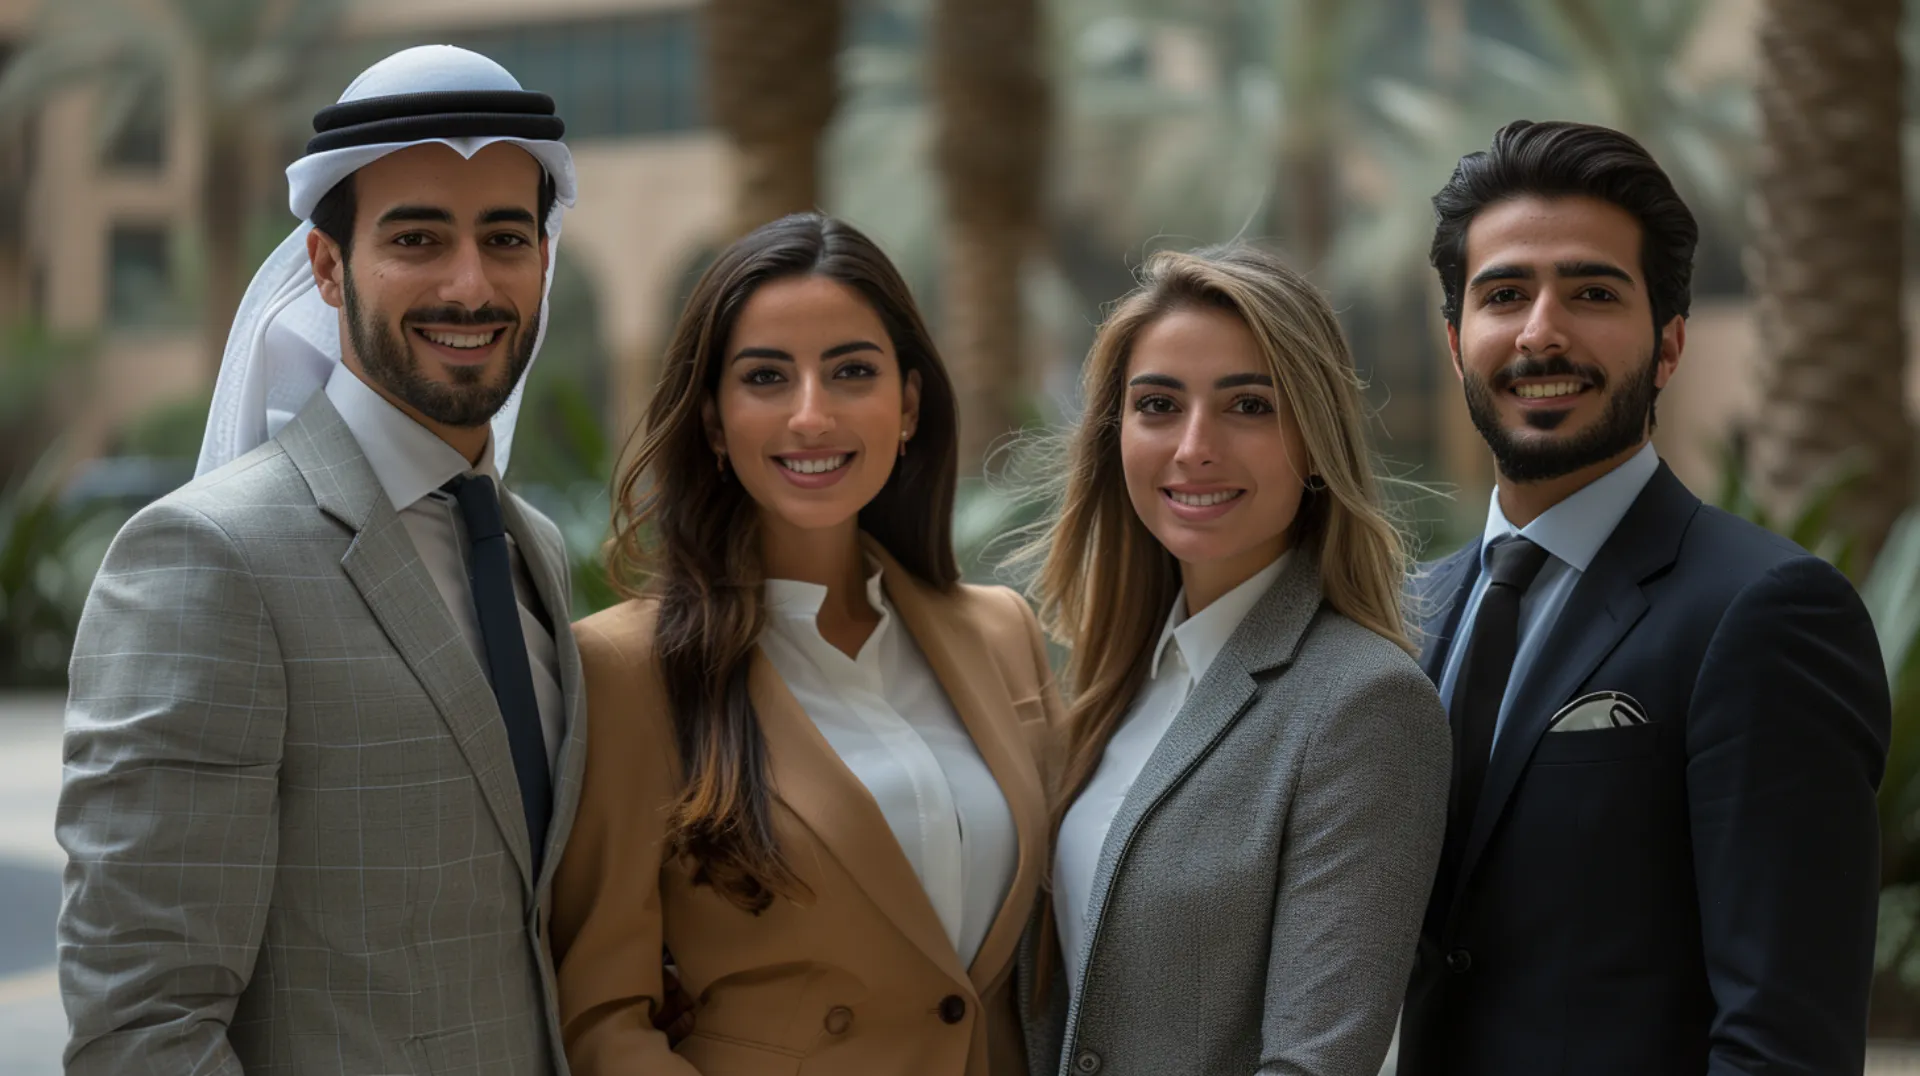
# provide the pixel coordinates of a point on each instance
(490, 572)
(1480, 686)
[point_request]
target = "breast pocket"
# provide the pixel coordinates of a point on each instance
(1597, 745)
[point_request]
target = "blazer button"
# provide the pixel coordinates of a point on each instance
(839, 1019)
(953, 1008)
(1087, 1063)
(1459, 962)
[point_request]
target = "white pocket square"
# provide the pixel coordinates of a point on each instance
(1600, 710)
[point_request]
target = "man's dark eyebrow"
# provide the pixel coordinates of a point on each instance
(423, 213)
(507, 215)
(1587, 269)
(1501, 272)
(1159, 381)
(1234, 381)
(773, 353)
(849, 348)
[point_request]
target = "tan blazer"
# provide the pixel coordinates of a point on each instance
(854, 977)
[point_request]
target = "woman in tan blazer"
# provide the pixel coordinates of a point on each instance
(815, 772)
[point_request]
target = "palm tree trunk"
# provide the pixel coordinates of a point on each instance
(773, 86)
(1305, 200)
(990, 149)
(1827, 238)
(224, 209)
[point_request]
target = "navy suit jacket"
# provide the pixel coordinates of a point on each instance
(1692, 895)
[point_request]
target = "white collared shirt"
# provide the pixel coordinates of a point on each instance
(887, 717)
(412, 464)
(1187, 649)
(1572, 533)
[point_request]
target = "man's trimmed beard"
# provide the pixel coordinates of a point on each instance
(1622, 424)
(470, 401)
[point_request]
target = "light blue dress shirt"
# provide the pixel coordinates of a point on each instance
(1571, 532)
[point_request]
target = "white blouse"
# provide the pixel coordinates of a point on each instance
(1187, 648)
(887, 717)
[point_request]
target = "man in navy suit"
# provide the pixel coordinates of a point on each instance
(1669, 724)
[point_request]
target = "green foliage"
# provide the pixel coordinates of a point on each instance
(1891, 591)
(169, 431)
(49, 553)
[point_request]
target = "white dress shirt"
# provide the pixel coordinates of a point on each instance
(1572, 533)
(889, 720)
(1186, 650)
(412, 464)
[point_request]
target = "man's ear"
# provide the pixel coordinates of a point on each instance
(329, 268)
(1453, 348)
(1673, 340)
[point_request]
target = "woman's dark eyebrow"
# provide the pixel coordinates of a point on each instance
(773, 353)
(1159, 381)
(849, 348)
(1234, 381)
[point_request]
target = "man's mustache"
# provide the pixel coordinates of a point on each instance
(1556, 366)
(459, 315)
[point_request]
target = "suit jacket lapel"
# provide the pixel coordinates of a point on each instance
(1264, 641)
(386, 568)
(823, 793)
(1442, 597)
(548, 569)
(1606, 602)
(965, 668)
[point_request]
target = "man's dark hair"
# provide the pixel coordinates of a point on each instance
(333, 214)
(1569, 159)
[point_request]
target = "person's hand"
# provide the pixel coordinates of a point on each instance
(675, 1015)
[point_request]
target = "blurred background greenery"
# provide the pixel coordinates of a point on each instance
(1017, 158)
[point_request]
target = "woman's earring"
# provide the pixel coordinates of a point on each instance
(1316, 484)
(904, 438)
(720, 464)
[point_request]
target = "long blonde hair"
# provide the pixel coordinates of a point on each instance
(1105, 583)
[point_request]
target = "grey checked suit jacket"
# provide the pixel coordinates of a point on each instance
(1259, 895)
(294, 836)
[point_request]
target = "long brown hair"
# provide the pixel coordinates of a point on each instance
(690, 541)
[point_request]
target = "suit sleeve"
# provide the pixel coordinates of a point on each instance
(1362, 843)
(168, 810)
(608, 929)
(1786, 744)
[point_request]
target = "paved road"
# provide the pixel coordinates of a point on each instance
(32, 1025)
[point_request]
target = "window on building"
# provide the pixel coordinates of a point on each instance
(137, 134)
(608, 77)
(139, 274)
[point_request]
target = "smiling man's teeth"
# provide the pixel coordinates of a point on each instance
(1541, 392)
(819, 466)
(460, 340)
(1203, 500)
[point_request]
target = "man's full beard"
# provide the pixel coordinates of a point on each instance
(1622, 424)
(470, 401)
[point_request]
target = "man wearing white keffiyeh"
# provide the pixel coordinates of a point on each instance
(323, 738)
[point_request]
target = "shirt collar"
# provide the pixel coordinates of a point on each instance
(791, 600)
(1574, 530)
(407, 458)
(1201, 637)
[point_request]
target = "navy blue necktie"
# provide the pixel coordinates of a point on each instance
(490, 572)
(1481, 685)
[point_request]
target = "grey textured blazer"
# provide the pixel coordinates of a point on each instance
(1258, 897)
(294, 835)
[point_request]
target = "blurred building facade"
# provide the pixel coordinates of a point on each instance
(97, 236)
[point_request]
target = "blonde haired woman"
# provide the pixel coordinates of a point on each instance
(1256, 781)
